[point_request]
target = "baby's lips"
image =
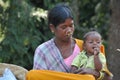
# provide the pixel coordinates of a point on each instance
(94, 47)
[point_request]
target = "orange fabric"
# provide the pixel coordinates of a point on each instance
(54, 75)
(80, 43)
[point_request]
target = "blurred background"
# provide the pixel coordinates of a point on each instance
(23, 26)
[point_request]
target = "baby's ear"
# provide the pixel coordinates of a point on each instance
(84, 48)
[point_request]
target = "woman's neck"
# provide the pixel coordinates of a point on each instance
(65, 47)
(63, 43)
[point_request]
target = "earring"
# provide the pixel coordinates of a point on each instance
(52, 31)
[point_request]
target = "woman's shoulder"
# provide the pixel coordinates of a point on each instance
(44, 47)
(78, 40)
(46, 44)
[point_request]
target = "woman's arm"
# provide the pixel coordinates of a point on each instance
(74, 69)
(93, 72)
(97, 74)
(39, 60)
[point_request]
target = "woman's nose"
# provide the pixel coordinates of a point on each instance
(69, 31)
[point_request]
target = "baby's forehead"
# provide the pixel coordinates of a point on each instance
(93, 37)
(92, 33)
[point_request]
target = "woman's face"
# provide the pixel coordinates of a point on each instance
(64, 31)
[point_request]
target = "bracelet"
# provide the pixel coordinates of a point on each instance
(101, 76)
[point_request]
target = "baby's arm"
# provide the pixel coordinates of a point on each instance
(97, 62)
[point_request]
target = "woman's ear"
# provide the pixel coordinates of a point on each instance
(52, 28)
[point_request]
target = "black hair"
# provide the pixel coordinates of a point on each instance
(59, 14)
(89, 33)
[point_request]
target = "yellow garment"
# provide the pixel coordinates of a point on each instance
(54, 75)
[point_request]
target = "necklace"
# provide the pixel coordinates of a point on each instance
(66, 49)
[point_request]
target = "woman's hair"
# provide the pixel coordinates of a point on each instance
(59, 14)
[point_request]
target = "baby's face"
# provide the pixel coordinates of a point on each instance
(92, 43)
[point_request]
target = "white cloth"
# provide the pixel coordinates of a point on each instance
(8, 75)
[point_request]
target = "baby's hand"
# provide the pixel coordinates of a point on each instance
(96, 51)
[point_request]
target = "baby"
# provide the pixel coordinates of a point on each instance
(90, 57)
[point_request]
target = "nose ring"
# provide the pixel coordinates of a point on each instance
(69, 33)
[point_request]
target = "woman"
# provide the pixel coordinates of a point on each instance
(54, 57)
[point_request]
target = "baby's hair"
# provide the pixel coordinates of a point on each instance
(90, 33)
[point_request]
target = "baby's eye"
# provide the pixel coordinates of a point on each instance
(98, 42)
(90, 42)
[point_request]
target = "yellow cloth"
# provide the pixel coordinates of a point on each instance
(54, 75)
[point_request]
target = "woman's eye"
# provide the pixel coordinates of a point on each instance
(63, 27)
(72, 25)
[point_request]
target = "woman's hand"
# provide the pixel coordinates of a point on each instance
(93, 72)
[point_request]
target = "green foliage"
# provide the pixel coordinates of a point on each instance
(93, 14)
(21, 32)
